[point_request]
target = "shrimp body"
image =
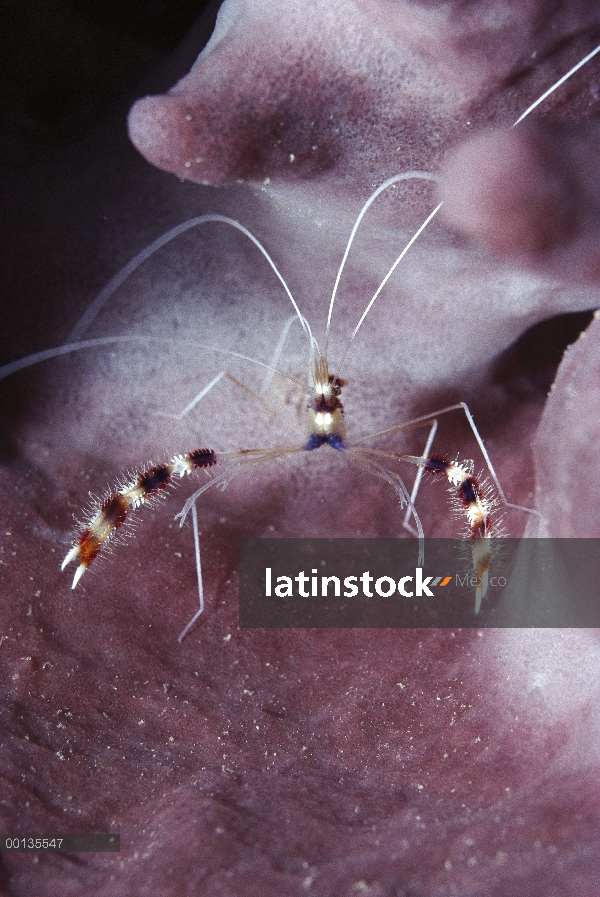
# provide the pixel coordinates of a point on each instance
(475, 498)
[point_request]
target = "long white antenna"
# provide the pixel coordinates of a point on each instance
(46, 354)
(104, 295)
(427, 176)
(557, 84)
(405, 176)
(414, 237)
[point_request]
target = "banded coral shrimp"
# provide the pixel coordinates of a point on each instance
(325, 427)
(180, 466)
(325, 403)
(149, 483)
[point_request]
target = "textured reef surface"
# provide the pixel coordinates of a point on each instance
(330, 763)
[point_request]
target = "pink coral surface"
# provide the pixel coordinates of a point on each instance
(330, 763)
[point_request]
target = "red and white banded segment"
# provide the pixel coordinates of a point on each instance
(109, 514)
(477, 500)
